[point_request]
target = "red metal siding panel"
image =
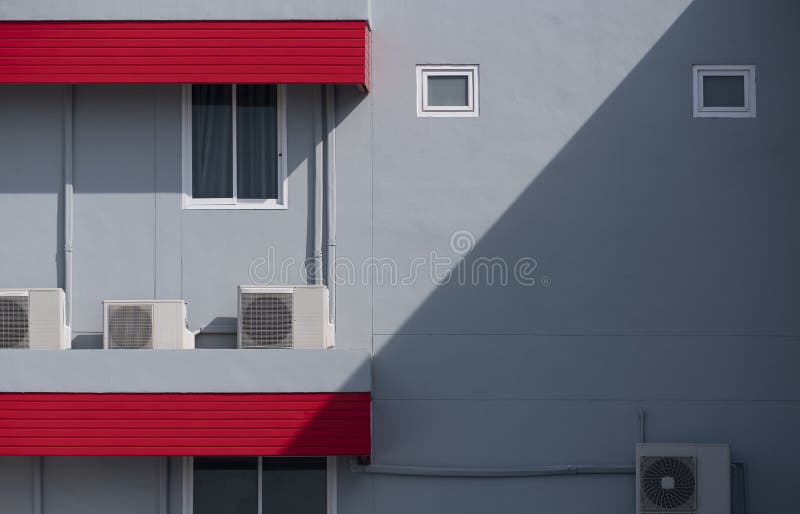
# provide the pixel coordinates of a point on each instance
(291, 52)
(51, 424)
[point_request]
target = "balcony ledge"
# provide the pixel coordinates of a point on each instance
(185, 371)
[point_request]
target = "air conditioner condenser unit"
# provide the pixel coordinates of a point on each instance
(34, 319)
(683, 479)
(284, 317)
(145, 325)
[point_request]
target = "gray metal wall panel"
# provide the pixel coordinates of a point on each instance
(80, 485)
(354, 217)
(167, 137)
(31, 185)
(601, 495)
(16, 485)
(114, 256)
(578, 367)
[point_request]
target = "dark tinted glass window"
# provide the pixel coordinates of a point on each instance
(723, 91)
(225, 485)
(294, 486)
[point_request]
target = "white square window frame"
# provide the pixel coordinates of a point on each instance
(189, 202)
(470, 71)
(747, 71)
(331, 479)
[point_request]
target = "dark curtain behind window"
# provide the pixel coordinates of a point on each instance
(212, 141)
(257, 141)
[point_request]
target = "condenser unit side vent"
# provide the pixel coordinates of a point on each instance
(14, 320)
(34, 319)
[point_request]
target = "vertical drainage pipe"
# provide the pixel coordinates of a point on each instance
(330, 118)
(318, 162)
(69, 175)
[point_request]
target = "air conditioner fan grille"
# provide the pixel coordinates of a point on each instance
(668, 484)
(266, 320)
(14, 322)
(130, 327)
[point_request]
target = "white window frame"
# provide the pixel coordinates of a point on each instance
(188, 484)
(470, 71)
(189, 202)
(748, 72)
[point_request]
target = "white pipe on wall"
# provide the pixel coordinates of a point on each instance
(69, 175)
(330, 118)
(533, 471)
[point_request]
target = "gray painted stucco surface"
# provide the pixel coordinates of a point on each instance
(185, 371)
(670, 242)
(184, 10)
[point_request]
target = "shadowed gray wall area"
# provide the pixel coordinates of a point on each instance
(669, 241)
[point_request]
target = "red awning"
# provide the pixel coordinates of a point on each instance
(83, 424)
(278, 52)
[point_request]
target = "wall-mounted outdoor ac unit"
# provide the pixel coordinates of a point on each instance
(147, 324)
(683, 479)
(33, 318)
(284, 317)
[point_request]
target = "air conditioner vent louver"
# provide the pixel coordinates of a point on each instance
(14, 321)
(130, 326)
(267, 320)
(668, 484)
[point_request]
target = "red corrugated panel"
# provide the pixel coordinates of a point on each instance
(185, 424)
(80, 52)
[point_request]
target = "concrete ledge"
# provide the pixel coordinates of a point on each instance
(184, 371)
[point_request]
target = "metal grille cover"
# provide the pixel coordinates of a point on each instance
(14, 321)
(668, 484)
(266, 320)
(130, 327)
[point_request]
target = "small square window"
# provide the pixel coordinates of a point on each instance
(721, 91)
(447, 91)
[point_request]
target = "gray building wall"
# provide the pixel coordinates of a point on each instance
(668, 243)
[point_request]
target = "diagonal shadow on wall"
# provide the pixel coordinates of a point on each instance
(664, 279)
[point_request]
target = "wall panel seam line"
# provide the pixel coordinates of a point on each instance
(586, 334)
(581, 399)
